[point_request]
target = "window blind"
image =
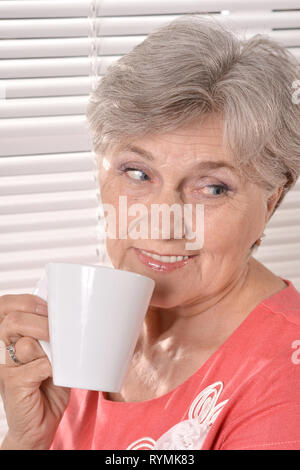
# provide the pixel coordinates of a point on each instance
(52, 53)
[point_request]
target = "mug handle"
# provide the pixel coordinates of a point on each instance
(41, 291)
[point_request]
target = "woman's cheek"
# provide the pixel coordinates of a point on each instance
(223, 230)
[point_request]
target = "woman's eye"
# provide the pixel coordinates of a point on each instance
(136, 174)
(216, 190)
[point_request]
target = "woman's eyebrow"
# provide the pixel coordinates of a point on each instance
(204, 165)
(143, 153)
(213, 164)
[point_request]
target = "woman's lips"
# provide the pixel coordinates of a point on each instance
(162, 266)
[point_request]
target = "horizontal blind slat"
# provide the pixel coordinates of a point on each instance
(45, 27)
(37, 258)
(282, 252)
(47, 125)
(43, 239)
(27, 184)
(80, 8)
(44, 67)
(47, 163)
(285, 217)
(14, 204)
(291, 200)
(132, 25)
(45, 87)
(136, 7)
(34, 135)
(52, 67)
(31, 48)
(16, 272)
(281, 235)
(286, 38)
(31, 145)
(107, 46)
(53, 106)
(285, 268)
(46, 8)
(87, 217)
(67, 47)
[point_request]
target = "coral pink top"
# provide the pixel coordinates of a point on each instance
(245, 396)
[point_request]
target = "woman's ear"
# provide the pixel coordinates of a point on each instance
(271, 202)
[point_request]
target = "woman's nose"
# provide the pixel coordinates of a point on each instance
(166, 216)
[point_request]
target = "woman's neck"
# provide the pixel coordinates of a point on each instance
(211, 320)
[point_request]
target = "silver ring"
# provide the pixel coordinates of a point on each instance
(12, 352)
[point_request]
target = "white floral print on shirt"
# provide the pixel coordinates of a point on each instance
(191, 433)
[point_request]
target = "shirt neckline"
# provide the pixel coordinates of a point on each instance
(290, 295)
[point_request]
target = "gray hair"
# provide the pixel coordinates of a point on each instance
(194, 66)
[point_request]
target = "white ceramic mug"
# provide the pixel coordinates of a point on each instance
(95, 315)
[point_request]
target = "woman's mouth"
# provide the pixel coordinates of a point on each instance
(163, 263)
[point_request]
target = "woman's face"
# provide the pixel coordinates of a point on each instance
(180, 171)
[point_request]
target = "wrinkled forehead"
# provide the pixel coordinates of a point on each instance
(199, 143)
(187, 141)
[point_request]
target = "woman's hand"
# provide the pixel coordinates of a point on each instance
(33, 405)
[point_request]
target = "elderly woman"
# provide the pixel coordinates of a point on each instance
(192, 115)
